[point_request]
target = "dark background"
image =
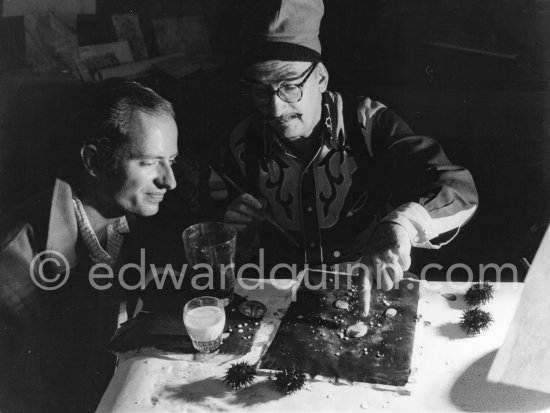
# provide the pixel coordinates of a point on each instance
(489, 105)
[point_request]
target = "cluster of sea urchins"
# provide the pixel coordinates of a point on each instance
(474, 320)
(242, 374)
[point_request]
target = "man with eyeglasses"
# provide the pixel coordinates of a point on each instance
(344, 176)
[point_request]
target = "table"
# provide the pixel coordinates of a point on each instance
(448, 369)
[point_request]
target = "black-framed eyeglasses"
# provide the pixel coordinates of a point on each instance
(288, 92)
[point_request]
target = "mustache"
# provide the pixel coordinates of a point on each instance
(283, 118)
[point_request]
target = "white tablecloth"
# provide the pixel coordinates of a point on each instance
(448, 369)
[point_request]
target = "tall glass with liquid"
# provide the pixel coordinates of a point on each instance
(210, 251)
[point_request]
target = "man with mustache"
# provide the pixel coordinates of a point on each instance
(62, 251)
(345, 176)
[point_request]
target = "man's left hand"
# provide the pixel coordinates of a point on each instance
(388, 255)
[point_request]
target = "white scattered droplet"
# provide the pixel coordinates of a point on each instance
(341, 304)
(357, 330)
(391, 313)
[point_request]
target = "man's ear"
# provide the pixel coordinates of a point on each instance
(90, 159)
(322, 75)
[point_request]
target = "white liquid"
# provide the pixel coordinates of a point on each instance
(204, 323)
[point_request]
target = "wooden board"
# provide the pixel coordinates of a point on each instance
(311, 334)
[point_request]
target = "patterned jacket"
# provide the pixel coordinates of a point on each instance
(370, 167)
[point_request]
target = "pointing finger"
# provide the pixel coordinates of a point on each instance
(365, 287)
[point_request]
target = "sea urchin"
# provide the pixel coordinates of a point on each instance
(474, 320)
(479, 294)
(240, 375)
(289, 380)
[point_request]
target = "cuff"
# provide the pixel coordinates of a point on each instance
(417, 221)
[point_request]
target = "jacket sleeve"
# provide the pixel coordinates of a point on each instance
(18, 295)
(428, 195)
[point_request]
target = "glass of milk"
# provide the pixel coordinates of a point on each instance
(204, 319)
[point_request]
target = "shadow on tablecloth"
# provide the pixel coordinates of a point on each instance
(452, 331)
(213, 389)
(472, 393)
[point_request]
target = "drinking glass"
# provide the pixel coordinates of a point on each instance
(210, 251)
(204, 319)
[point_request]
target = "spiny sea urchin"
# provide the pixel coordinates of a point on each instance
(240, 375)
(479, 294)
(474, 320)
(289, 380)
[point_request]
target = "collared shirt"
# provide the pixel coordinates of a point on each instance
(115, 237)
(367, 169)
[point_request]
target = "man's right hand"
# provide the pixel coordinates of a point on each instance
(244, 212)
